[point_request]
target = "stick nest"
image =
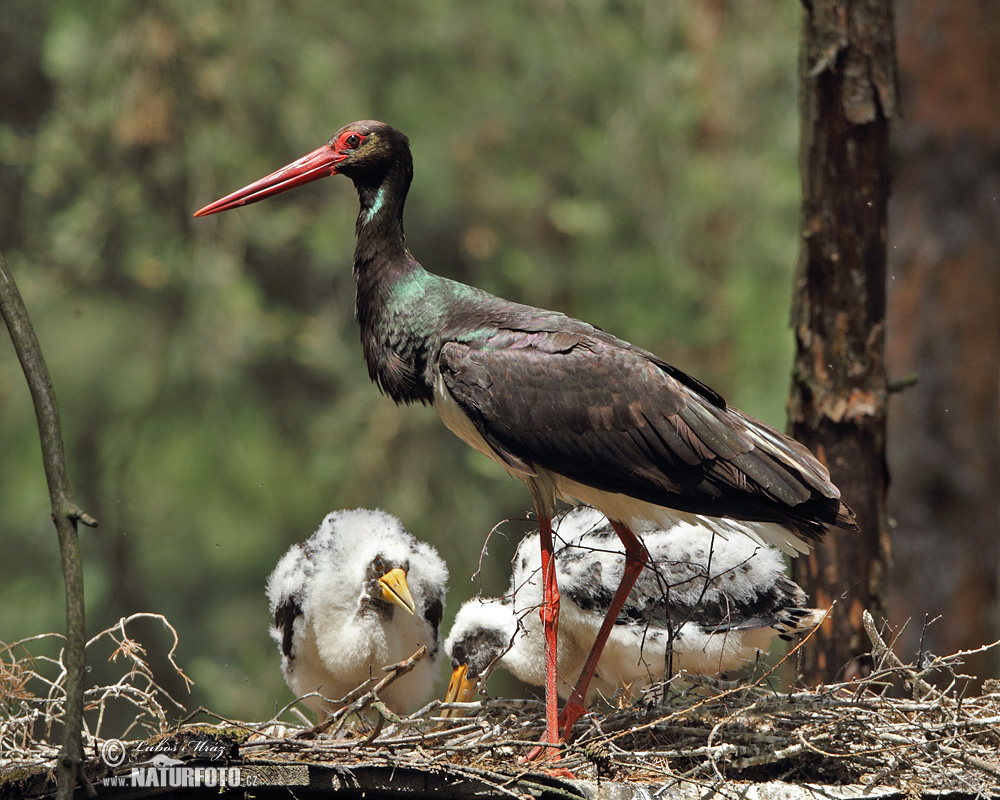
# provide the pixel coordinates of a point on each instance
(890, 729)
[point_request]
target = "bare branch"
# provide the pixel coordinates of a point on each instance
(65, 514)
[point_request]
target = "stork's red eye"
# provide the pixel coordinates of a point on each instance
(352, 140)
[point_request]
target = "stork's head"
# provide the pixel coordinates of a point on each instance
(365, 151)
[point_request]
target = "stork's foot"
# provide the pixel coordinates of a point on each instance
(561, 772)
(544, 751)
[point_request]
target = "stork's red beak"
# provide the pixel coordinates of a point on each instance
(318, 164)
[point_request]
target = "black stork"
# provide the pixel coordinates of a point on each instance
(575, 413)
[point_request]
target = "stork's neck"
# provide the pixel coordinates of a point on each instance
(381, 242)
(394, 328)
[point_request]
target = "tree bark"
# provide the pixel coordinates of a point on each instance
(839, 387)
(944, 310)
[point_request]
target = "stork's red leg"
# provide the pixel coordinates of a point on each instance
(550, 625)
(636, 558)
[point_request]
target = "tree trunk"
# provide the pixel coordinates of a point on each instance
(944, 308)
(838, 398)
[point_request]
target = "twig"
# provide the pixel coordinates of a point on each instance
(882, 654)
(370, 695)
(978, 763)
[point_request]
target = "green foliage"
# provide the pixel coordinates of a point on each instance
(629, 163)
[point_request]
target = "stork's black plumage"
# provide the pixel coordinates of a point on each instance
(574, 412)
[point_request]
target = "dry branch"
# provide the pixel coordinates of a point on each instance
(29, 717)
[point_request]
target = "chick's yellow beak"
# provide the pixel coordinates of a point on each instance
(460, 689)
(396, 590)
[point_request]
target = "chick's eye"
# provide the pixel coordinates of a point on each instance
(379, 564)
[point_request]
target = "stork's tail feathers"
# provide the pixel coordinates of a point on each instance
(792, 473)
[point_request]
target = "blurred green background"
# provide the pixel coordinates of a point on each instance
(633, 164)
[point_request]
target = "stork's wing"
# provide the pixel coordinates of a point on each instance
(595, 409)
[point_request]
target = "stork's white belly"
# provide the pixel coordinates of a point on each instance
(457, 422)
